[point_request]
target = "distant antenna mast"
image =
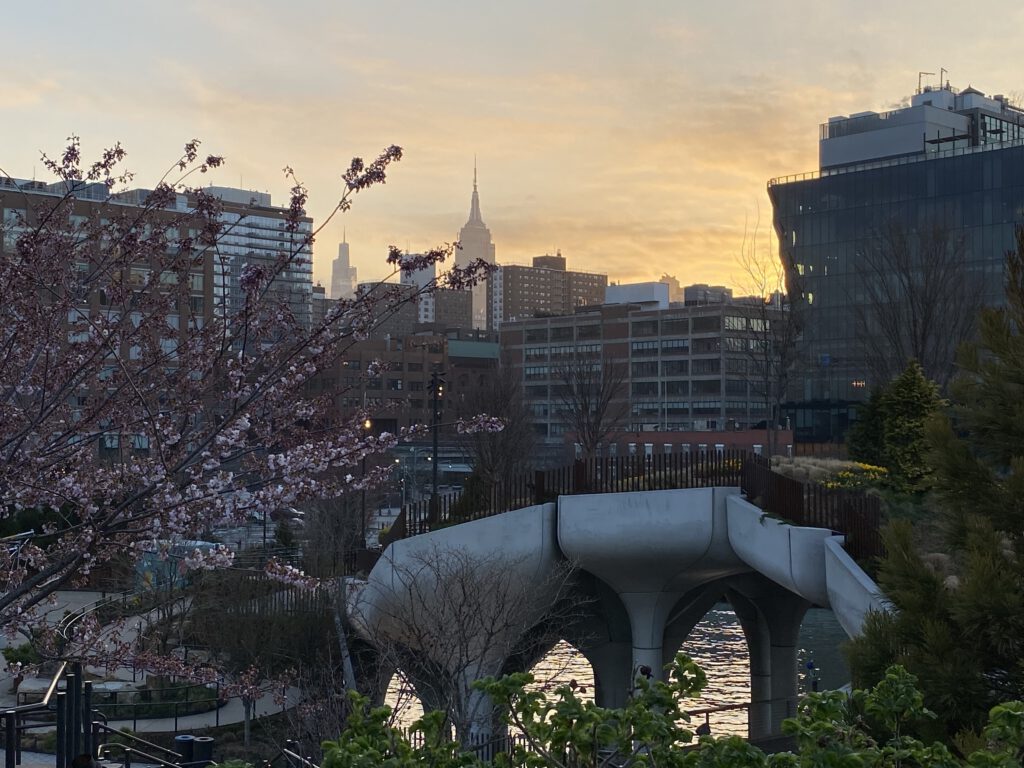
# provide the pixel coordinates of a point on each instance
(919, 76)
(942, 77)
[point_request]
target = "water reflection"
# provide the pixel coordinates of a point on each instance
(717, 644)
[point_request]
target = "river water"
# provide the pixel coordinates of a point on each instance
(718, 646)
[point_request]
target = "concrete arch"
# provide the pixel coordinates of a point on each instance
(689, 611)
(652, 563)
(770, 616)
(543, 676)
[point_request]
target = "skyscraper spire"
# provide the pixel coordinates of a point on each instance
(474, 208)
(475, 243)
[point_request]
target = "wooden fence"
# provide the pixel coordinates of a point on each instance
(855, 514)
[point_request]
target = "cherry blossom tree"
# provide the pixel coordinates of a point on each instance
(130, 420)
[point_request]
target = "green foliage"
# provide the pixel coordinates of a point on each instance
(906, 404)
(963, 635)
(21, 654)
(876, 728)
(569, 731)
(925, 636)
(890, 428)
(865, 437)
(368, 742)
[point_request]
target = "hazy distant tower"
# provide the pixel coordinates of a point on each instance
(343, 276)
(475, 239)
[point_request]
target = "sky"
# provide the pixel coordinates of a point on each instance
(636, 137)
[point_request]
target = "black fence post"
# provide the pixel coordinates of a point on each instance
(87, 742)
(61, 743)
(70, 714)
(76, 723)
(10, 755)
(579, 476)
(538, 486)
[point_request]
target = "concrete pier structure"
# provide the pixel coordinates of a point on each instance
(650, 565)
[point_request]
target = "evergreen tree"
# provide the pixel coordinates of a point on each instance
(864, 440)
(905, 405)
(964, 635)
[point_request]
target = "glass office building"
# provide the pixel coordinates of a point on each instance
(953, 159)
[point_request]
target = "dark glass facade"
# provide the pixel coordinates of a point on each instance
(825, 223)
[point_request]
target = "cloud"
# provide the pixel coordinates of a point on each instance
(15, 95)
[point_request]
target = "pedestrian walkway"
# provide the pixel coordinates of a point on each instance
(230, 713)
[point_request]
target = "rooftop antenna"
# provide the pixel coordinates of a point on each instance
(943, 83)
(919, 76)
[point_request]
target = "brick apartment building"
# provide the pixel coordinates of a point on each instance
(517, 292)
(684, 368)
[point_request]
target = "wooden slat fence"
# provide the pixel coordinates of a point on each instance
(853, 513)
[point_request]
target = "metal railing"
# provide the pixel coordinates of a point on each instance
(597, 475)
(55, 708)
(855, 514)
(904, 160)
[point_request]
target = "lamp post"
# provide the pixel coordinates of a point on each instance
(437, 396)
(367, 426)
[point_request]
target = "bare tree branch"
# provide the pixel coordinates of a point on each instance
(592, 398)
(446, 617)
(920, 300)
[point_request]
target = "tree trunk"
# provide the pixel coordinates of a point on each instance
(247, 705)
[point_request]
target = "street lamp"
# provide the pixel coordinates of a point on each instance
(367, 426)
(437, 395)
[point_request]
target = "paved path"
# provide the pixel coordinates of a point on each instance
(232, 712)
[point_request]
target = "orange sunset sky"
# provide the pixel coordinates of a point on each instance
(637, 137)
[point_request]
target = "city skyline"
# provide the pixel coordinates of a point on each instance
(638, 141)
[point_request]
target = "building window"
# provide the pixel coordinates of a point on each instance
(675, 327)
(645, 328)
(644, 348)
(675, 388)
(706, 346)
(675, 367)
(563, 333)
(707, 387)
(707, 324)
(706, 367)
(645, 389)
(675, 347)
(645, 368)
(535, 372)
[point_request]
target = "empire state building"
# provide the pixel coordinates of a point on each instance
(475, 239)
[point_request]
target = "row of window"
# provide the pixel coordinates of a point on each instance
(675, 347)
(683, 387)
